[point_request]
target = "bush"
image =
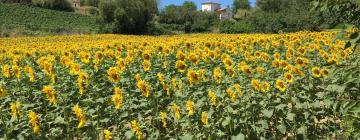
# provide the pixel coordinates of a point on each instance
(128, 17)
(244, 27)
(60, 5)
(226, 26)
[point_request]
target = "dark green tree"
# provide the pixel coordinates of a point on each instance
(240, 4)
(128, 17)
(333, 12)
(189, 5)
(272, 5)
(94, 3)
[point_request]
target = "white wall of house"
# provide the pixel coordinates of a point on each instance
(210, 6)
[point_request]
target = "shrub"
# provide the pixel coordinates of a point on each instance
(60, 5)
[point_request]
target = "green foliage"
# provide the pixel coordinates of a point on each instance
(94, 3)
(128, 17)
(16, 1)
(178, 14)
(38, 19)
(333, 12)
(232, 27)
(189, 17)
(240, 5)
(61, 5)
(107, 8)
(276, 15)
(272, 5)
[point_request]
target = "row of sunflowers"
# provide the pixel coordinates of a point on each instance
(197, 86)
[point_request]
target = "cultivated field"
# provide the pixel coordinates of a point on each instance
(213, 86)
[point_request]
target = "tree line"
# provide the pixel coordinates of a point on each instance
(268, 16)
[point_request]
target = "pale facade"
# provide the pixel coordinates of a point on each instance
(224, 13)
(210, 6)
(76, 3)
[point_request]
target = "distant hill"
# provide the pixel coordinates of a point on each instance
(33, 21)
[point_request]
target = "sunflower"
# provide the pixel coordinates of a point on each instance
(108, 134)
(193, 77)
(80, 115)
(146, 65)
(212, 97)
(181, 66)
(113, 74)
(204, 118)
(6, 71)
(256, 84)
(85, 57)
(301, 50)
(324, 72)
(277, 56)
(265, 86)
(280, 85)
(260, 70)
(231, 94)
(228, 62)
(121, 64)
(146, 55)
(117, 98)
(247, 70)
(288, 77)
(276, 63)
(176, 110)
(194, 58)
(15, 108)
(2, 91)
(257, 54)
(190, 107)
(298, 71)
(212, 54)
(230, 70)
(163, 119)
(217, 74)
(180, 55)
(16, 71)
(50, 92)
(316, 72)
(144, 88)
(34, 122)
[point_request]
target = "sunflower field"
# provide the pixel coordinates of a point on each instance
(302, 85)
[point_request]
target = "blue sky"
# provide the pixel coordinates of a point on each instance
(224, 3)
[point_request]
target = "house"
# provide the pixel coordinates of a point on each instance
(76, 3)
(210, 6)
(224, 13)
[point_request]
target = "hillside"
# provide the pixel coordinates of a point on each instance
(28, 20)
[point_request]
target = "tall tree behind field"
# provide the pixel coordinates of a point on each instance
(94, 3)
(60, 5)
(272, 5)
(128, 17)
(334, 12)
(241, 4)
(16, 1)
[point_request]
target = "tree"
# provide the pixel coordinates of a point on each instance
(107, 8)
(128, 17)
(179, 14)
(60, 5)
(240, 4)
(334, 12)
(94, 3)
(189, 6)
(272, 5)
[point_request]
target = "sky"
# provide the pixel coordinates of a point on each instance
(224, 3)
